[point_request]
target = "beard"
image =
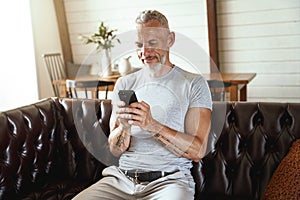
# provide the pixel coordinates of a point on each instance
(156, 67)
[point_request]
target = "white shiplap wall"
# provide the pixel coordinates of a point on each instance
(262, 36)
(187, 17)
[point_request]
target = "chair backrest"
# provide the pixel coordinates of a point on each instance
(92, 86)
(218, 89)
(56, 69)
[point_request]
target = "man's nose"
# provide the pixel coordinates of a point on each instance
(145, 50)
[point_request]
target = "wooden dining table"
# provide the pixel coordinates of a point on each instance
(62, 87)
(237, 90)
(238, 81)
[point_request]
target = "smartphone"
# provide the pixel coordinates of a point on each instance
(128, 96)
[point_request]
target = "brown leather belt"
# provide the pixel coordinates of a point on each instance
(146, 176)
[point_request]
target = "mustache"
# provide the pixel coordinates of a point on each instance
(149, 57)
(159, 58)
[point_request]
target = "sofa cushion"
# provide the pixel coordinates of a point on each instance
(285, 182)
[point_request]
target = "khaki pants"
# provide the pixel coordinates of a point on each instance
(117, 186)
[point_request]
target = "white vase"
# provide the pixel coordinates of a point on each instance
(124, 66)
(106, 63)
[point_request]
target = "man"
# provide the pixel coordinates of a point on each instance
(158, 137)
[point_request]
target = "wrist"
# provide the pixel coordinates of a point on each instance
(124, 127)
(156, 128)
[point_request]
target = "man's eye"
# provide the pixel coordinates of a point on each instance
(152, 43)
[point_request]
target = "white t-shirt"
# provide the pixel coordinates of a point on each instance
(169, 97)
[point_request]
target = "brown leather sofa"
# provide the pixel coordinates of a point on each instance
(42, 155)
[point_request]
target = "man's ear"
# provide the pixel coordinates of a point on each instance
(171, 39)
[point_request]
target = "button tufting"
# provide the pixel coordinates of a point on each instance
(270, 146)
(258, 172)
(221, 144)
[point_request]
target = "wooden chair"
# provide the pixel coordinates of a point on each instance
(56, 69)
(93, 86)
(218, 89)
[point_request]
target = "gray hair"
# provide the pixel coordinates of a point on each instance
(148, 15)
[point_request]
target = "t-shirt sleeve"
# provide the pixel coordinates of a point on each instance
(200, 94)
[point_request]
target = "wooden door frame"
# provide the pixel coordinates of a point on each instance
(212, 35)
(63, 31)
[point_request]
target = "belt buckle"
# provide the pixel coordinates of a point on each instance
(136, 180)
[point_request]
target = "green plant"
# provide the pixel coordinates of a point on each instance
(104, 38)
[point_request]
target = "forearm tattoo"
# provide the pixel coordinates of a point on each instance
(120, 140)
(170, 145)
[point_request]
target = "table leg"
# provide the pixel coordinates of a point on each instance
(234, 93)
(243, 93)
(95, 94)
(62, 90)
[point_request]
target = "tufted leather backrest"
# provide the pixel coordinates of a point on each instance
(254, 139)
(84, 147)
(43, 143)
(27, 147)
